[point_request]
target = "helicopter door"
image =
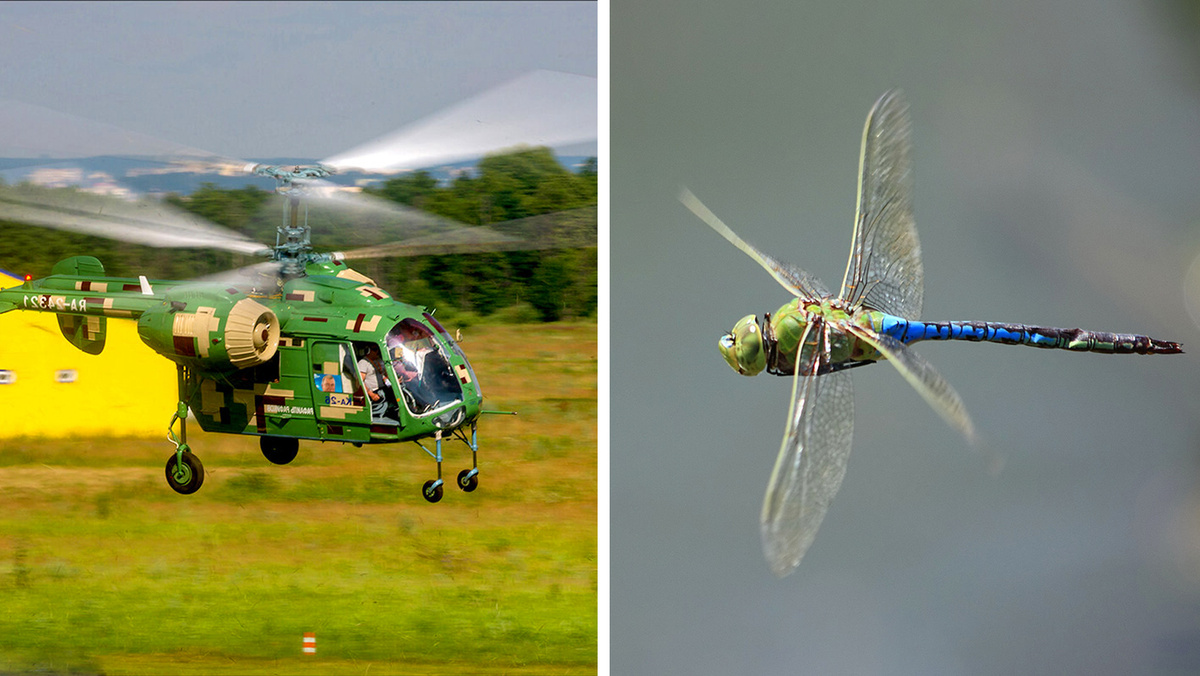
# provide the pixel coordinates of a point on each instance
(338, 394)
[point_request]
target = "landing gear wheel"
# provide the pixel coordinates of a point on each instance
(468, 481)
(279, 450)
(432, 492)
(185, 477)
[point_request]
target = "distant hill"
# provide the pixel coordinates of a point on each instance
(99, 173)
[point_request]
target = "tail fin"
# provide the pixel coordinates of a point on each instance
(79, 266)
(85, 333)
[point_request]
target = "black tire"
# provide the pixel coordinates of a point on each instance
(430, 492)
(468, 483)
(279, 450)
(190, 474)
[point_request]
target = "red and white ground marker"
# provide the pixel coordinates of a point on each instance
(310, 643)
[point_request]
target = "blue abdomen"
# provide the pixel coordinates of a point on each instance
(911, 331)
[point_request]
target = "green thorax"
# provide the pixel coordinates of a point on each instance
(788, 325)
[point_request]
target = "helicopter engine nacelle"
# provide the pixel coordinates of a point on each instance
(214, 331)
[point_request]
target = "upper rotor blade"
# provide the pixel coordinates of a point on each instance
(148, 222)
(541, 108)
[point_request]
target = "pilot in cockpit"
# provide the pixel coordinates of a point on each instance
(409, 371)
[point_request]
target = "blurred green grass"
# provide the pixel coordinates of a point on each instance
(103, 569)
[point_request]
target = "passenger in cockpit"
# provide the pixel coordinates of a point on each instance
(374, 379)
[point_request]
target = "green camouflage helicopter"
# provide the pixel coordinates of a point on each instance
(301, 347)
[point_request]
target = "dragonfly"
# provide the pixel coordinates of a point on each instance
(816, 337)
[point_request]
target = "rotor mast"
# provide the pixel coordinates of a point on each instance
(293, 247)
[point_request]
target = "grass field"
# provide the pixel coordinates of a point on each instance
(104, 569)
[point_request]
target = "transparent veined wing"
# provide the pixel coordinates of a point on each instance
(811, 463)
(924, 379)
(884, 271)
(795, 280)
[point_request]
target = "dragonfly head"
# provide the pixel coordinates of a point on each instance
(743, 347)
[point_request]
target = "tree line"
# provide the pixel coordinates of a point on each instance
(521, 199)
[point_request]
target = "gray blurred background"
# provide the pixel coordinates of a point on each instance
(1057, 169)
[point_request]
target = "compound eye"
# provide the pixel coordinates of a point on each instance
(742, 347)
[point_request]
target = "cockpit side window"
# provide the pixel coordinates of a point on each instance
(335, 374)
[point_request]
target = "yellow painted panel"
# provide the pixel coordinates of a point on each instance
(126, 390)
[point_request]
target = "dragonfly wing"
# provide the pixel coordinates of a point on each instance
(810, 466)
(925, 380)
(884, 271)
(795, 280)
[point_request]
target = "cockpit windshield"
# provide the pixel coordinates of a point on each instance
(422, 369)
(467, 373)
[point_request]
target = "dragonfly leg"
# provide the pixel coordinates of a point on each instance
(834, 368)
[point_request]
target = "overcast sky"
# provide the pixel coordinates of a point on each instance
(271, 79)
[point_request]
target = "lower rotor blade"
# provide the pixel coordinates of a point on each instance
(572, 229)
(148, 222)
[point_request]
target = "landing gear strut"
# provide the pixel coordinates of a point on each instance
(432, 490)
(185, 474)
(468, 479)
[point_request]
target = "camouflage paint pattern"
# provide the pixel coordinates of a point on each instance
(254, 363)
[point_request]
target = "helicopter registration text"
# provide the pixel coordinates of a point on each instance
(337, 399)
(59, 303)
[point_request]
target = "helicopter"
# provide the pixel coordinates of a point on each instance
(302, 346)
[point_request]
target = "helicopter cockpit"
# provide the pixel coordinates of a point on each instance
(427, 382)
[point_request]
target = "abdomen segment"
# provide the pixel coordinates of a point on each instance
(1078, 340)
